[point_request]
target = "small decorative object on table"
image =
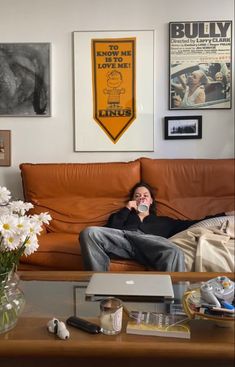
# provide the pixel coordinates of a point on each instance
(18, 236)
(111, 311)
(58, 328)
(212, 300)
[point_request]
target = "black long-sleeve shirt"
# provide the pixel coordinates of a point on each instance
(126, 219)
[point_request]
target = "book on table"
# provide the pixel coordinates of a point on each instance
(158, 324)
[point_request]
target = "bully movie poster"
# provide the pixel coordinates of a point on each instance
(200, 65)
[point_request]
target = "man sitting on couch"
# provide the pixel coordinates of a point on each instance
(137, 234)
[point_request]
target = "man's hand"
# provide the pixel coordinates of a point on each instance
(131, 205)
(177, 101)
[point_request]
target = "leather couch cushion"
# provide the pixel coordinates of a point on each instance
(58, 251)
(190, 188)
(72, 214)
(80, 194)
(61, 251)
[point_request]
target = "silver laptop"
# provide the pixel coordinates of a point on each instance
(128, 286)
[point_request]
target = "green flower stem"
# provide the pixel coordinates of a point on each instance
(8, 259)
(11, 301)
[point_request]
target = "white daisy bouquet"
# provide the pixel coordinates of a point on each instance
(18, 231)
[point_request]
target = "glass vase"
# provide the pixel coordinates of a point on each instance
(12, 300)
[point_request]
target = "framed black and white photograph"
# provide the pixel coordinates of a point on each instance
(200, 65)
(183, 127)
(5, 148)
(25, 79)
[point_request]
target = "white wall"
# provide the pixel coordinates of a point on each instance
(37, 139)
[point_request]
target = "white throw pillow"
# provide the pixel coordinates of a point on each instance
(213, 222)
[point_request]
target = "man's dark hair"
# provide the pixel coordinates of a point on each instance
(152, 208)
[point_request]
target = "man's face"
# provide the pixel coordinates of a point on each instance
(194, 78)
(219, 77)
(142, 195)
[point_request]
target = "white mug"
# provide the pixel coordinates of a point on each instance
(142, 208)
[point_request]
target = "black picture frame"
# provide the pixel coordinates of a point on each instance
(200, 52)
(183, 127)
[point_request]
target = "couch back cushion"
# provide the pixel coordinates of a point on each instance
(190, 188)
(78, 195)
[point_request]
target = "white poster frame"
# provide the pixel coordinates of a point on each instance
(89, 136)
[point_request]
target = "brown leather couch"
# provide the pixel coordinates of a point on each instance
(78, 195)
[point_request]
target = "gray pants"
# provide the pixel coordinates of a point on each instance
(100, 244)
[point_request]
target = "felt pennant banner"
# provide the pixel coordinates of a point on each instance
(114, 84)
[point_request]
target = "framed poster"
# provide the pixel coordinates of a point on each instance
(200, 65)
(113, 90)
(5, 147)
(183, 127)
(25, 79)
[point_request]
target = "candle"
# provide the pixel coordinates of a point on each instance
(111, 316)
(106, 321)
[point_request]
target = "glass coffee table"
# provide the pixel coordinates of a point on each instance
(62, 294)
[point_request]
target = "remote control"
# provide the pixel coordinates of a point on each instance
(84, 325)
